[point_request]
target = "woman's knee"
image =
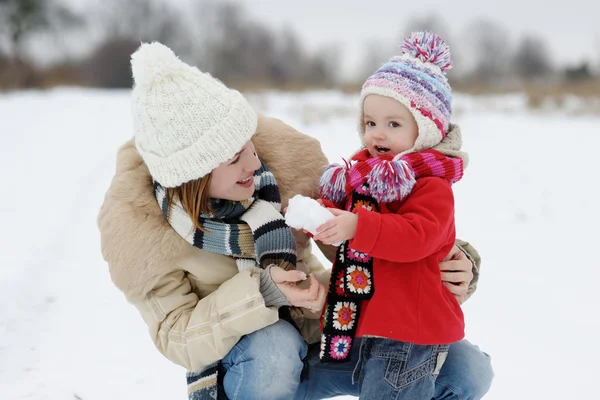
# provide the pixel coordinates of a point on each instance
(279, 340)
(466, 374)
(266, 362)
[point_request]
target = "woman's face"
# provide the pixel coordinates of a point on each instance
(234, 179)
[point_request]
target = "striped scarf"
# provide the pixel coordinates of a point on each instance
(367, 183)
(252, 231)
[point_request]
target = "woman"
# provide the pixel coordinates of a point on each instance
(215, 279)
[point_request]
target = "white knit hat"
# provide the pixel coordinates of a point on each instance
(186, 122)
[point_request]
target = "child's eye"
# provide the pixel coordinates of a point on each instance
(394, 124)
(370, 123)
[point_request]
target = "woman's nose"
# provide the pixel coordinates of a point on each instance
(252, 163)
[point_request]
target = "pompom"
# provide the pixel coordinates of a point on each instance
(153, 62)
(429, 48)
(333, 184)
(391, 180)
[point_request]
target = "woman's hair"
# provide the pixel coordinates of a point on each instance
(194, 198)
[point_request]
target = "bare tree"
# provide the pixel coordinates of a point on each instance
(122, 26)
(375, 57)
(109, 65)
(139, 20)
(578, 73)
(20, 19)
(232, 38)
(243, 51)
(258, 57)
(216, 35)
(532, 58)
(598, 59)
(323, 66)
(203, 33)
(490, 47)
(290, 62)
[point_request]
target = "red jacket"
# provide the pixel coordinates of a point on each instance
(407, 241)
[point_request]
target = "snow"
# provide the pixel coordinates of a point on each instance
(526, 203)
(306, 213)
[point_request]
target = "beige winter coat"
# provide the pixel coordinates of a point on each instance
(196, 304)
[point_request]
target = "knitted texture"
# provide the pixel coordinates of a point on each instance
(416, 79)
(186, 122)
(389, 179)
(252, 231)
(269, 290)
(206, 384)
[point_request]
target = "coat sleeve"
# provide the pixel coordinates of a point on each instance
(475, 259)
(306, 320)
(195, 332)
(419, 228)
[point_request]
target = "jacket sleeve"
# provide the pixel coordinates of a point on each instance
(306, 320)
(194, 332)
(419, 228)
(312, 265)
(475, 259)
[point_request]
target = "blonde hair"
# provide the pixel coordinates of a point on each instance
(194, 198)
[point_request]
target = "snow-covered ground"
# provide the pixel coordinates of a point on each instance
(526, 203)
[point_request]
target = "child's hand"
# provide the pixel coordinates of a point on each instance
(338, 229)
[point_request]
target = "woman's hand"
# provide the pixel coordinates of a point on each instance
(457, 273)
(312, 298)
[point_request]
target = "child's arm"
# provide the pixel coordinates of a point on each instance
(419, 229)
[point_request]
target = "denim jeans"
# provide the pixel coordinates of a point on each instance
(265, 364)
(465, 375)
(388, 369)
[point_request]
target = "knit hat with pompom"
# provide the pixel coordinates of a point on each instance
(417, 79)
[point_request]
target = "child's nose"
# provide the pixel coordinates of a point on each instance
(379, 134)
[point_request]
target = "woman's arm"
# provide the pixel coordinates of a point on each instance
(195, 332)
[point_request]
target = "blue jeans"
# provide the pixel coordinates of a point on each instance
(466, 375)
(265, 364)
(388, 369)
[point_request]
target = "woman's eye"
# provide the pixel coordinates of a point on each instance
(239, 156)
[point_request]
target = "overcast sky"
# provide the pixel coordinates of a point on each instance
(570, 28)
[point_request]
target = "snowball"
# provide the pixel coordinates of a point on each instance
(306, 213)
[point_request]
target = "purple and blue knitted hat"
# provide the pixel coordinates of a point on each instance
(417, 79)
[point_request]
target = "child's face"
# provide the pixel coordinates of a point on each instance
(390, 128)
